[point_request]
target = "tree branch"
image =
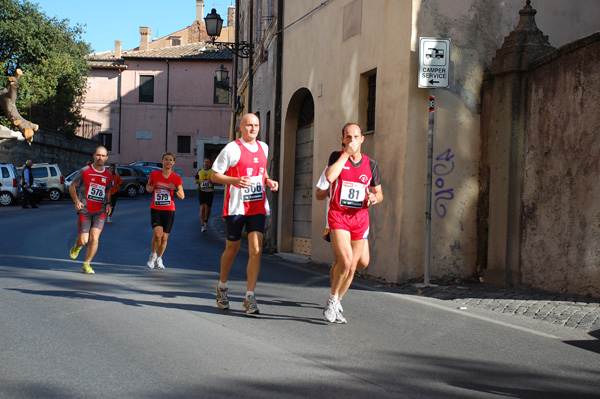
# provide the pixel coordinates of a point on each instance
(8, 99)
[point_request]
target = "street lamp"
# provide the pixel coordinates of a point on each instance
(222, 78)
(214, 24)
(222, 75)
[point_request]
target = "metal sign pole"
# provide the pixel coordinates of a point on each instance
(434, 71)
(430, 131)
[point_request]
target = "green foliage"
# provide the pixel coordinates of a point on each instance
(52, 56)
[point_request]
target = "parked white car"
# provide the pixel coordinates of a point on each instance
(51, 175)
(9, 184)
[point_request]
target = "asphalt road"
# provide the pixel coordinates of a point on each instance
(131, 332)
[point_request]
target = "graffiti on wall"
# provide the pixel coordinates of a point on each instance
(443, 167)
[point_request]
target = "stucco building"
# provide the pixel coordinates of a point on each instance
(162, 96)
(319, 64)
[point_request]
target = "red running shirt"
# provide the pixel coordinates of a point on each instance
(162, 196)
(251, 200)
(349, 190)
(92, 193)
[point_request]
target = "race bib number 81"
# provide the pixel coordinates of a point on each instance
(353, 194)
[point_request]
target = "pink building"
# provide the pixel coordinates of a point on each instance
(161, 99)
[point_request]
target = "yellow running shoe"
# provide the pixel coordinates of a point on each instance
(74, 251)
(87, 269)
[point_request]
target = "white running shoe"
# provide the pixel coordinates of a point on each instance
(330, 312)
(339, 319)
(159, 263)
(250, 306)
(151, 261)
(203, 229)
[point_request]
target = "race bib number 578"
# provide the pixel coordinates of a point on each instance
(96, 192)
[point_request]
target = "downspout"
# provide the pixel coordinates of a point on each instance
(167, 109)
(120, 109)
(251, 58)
(277, 126)
(236, 63)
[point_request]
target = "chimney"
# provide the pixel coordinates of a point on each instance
(199, 10)
(231, 17)
(118, 48)
(145, 33)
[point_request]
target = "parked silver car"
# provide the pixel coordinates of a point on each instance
(9, 184)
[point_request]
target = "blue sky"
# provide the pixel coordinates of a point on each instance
(108, 20)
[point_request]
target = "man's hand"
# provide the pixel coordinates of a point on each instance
(351, 148)
(372, 199)
(243, 181)
(78, 205)
(272, 184)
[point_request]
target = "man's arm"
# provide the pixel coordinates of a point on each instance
(376, 195)
(272, 184)
(333, 171)
(321, 194)
(107, 197)
(242, 181)
(73, 194)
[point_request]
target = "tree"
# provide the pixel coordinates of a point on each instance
(52, 56)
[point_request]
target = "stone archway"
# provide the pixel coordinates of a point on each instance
(303, 174)
(297, 174)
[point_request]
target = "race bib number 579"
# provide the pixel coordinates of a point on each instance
(162, 197)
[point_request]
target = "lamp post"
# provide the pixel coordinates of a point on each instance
(214, 24)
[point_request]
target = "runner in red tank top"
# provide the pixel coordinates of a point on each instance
(355, 185)
(242, 166)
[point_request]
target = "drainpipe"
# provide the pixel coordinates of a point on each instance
(251, 58)
(120, 109)
(167, 111)
(277, 127)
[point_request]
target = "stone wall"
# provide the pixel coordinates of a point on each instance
(70, 153)
(561, 211)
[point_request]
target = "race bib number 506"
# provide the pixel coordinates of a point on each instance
(255, 191)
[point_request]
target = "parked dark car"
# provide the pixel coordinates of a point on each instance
(143, 173)
(131, 182)
(147, 163)
(40, 190)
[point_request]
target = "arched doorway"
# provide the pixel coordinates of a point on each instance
(303, 176)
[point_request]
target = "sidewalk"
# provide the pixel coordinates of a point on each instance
(568, 311)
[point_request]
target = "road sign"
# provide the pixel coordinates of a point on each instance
(434, 62)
